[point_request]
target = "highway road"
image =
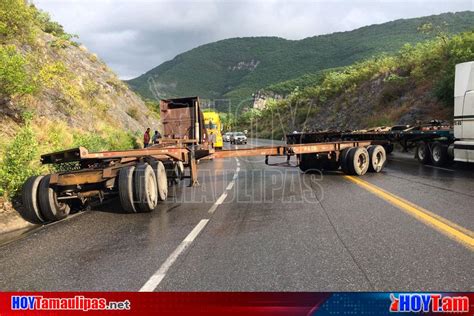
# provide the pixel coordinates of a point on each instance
(253, 227)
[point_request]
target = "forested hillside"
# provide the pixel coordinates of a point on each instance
(236, 68)
(415, 84)
(55, 95)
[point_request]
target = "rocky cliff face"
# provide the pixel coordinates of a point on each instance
(379, 102)
(79, 90)
(73, 99)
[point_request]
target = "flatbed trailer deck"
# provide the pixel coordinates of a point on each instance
(433, 140)
(141, 177)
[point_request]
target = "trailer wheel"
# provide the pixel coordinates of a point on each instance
(388, 148)
(439, 154)
(176, 173)
(180, 166)
(145, 188)
(126, 188)
(378, 158)
(331, 165)
(31, 210)
(358, 161)
(161, 180)
(172, 172)
(50, 207)
(310, 163)
(343, 158)
(303, 162)
(423, 153)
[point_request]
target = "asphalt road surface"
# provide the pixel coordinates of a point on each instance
(250, 227)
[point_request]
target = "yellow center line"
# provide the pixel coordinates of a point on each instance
(448, 228)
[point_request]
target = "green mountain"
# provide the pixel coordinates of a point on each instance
(236, 68)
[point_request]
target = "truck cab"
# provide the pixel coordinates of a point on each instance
(464, 112)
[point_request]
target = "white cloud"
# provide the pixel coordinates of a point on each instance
(136, 35)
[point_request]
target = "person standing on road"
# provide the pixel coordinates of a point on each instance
(156, 137)
(146, 138)
(212, 139)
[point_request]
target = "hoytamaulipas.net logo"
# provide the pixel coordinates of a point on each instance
(424, 302)
(76, 303)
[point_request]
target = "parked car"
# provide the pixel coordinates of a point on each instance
(226, 136)
(238, 138)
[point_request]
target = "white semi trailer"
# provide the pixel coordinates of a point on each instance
(463, 147)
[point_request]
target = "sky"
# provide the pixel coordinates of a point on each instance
(134, 36)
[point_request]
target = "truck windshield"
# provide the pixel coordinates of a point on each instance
(211, 125)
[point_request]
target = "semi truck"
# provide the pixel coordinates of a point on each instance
(139, 178)
(435, 142)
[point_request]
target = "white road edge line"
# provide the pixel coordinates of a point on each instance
(159, 275)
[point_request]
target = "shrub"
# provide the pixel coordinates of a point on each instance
(50, 74)
(120, 140)
(91, 89)
(57, 76)
(16, 21)
(459, 49)
(19, 161)
(91, 141)
(14, 78)
(133, 112)
(43, 20)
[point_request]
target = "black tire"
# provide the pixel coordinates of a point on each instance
(172, 172)
(310, 163)
(180, 167)
(126, 189)
(423, 153)
(358, 161)
(378, 158)
(439, 154)
(145, 187)
(50, 207)
(388, 148)
(176, 173)
(303, 164)
(344, 160)
(331, 165)
(161, 175)
(31, 209)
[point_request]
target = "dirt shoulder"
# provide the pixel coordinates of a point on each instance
(10, 220)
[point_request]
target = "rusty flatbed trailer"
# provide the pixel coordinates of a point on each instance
(433, 140)
(141, 177)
